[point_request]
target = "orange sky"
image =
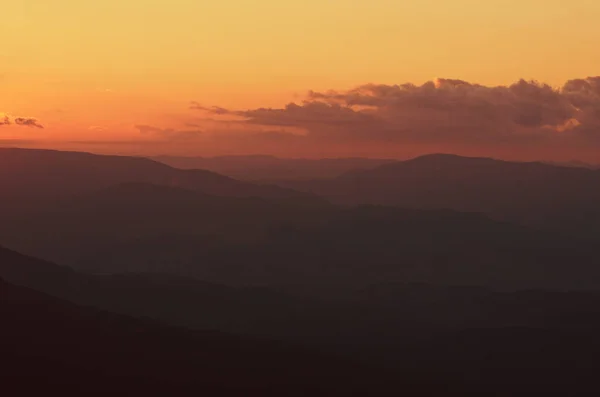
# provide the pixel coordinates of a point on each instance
(91, 71)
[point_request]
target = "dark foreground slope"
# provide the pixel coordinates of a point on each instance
(50, 345)
(378, 319)
(470, 342)
(542, 195)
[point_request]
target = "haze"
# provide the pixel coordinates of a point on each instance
(300, 198)
(116, 77)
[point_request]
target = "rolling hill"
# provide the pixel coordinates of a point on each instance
(469, 341)
(50, 345)
(269, 168)
(30, 178)
(563, 199)
(243, 241)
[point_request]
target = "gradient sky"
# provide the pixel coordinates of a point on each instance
(91, 71)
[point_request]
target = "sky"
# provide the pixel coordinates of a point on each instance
(143, 77)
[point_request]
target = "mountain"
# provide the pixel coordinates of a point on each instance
(563, 199)
(268, 168)
(29, 178)
(251, 241)
(50, 345)
(575, 163)
(99, 222)
(468, 341)
(378, 317)
(261, 312)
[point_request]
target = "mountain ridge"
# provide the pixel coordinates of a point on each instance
(530, 193)
(46, 175)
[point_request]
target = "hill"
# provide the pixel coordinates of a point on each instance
(464, 340)
(71, 229)
(270, 168)
(244, 242)
(49, 345)
(541, 195)
(30, 178)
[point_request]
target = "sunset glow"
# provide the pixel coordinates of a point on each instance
(90, 72)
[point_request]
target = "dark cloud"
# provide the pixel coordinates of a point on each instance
(526, 114)
(310, 113)
(211, 109)
(27, 121)
(22, 121)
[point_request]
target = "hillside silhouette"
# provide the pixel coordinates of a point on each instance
(505, 343)
(76, 350)
(253, 241)
(563, 199)
(271, 168)
(50, 175)
(438, 276)
(385, 312)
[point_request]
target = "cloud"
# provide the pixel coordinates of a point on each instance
(212, 109)
(168, 133)
(442, 112)
(29, 122)
(6, 119)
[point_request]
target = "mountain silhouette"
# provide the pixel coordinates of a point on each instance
(29, 178)
(252, 241)
(270, 168)
(437, 276)
(88, 223)
(385, 313)
(541, 195)
(52, 345)
(466, 340)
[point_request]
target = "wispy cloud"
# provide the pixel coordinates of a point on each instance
(27, 121)
(6, 119)
(212, 109)
(168, 133)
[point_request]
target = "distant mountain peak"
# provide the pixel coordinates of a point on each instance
(449, 157)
